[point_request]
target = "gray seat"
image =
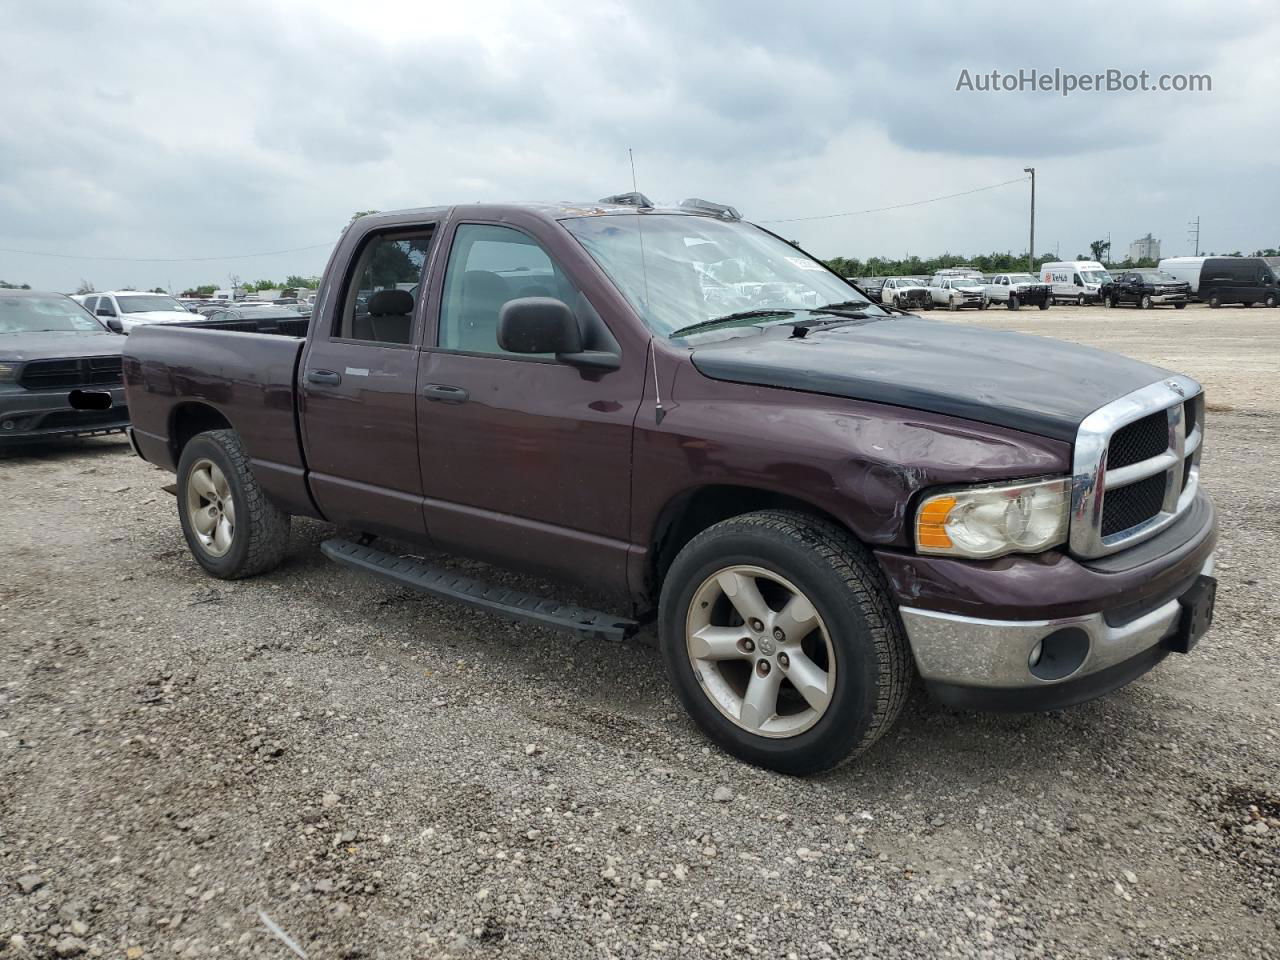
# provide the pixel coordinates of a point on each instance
(483, 294)
(389, 320)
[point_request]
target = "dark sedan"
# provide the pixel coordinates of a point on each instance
(59, 369)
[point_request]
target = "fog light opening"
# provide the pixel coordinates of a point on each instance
(8, 425)
(1060, 654)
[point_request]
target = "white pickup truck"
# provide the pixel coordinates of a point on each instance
(956, 292)
(1016, 290)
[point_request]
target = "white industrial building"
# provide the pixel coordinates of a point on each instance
(1145, 248)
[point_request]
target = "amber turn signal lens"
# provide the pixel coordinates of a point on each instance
(931, 523)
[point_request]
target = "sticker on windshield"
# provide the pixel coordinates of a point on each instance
(804, 263)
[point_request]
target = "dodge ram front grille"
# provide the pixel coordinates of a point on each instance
(74, 372)
(1136, 466)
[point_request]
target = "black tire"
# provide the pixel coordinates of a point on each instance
(261, 529)
(928, 304)
(1012, 302)
(1111, 301)
(1215, 301)
(952, 305)
(1247, 303)
(848, 591)
(1044, 304)
(1080, 300)
(1144, 302)
(1271, 300)
(1179, 306)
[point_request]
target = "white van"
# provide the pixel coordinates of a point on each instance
(1186, 269)
(1075, 280)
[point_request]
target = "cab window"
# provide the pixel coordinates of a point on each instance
(378, 304)
(488, 266)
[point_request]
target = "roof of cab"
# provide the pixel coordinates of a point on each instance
(560, 210)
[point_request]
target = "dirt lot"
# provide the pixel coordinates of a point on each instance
(384, 775)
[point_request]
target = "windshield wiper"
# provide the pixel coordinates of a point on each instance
(731, 318)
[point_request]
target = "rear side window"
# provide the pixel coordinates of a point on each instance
(488, 266)
(382, 292)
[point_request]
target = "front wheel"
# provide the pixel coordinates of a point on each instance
(1080, 300)
(1215, 301)
(1271, 300)
(1179, 306)
(1145, 302)
(1013, 302)
(781, 642)
(231, 527)
(1044, 305)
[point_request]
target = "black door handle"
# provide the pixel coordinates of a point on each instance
(444, 393)
(324, 376)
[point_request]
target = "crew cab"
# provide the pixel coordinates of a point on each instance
(59, 370)
(1016, 290)
(906, 293)
(815, 497)
(1146, 289)
(956, 292)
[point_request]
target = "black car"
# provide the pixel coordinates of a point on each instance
(59, 369)
(1244, 280)
(1146, 289)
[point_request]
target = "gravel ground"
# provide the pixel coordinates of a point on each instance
(385, 775)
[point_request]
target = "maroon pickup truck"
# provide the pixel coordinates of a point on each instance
(814, 496)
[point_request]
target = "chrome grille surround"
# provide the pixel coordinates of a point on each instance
(1179, 463)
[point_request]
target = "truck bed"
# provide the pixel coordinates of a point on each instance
(183, 376)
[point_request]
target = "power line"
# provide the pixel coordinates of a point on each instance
(238, 256)
(899, 206)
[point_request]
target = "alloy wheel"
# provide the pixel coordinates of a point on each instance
(211, 509)
(760, 651)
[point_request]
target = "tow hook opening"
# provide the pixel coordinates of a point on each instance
(1060, 654)
(89, 399)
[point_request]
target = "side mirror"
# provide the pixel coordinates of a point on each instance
(538, 325)
(114, 325)
(105, 312)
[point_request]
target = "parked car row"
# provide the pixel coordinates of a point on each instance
(1222, 280)
(957, 288)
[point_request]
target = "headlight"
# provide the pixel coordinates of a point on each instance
(9, 371)
(984, 522)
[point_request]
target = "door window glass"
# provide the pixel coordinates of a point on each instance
(488, 266)
(379, 302)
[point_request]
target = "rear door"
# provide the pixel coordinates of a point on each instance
(357, 388)
(526, 461)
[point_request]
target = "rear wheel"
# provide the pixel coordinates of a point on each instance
(1215, 301)
(231, 527)
(781, 642)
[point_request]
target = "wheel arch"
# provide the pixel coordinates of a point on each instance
(190, 418)
(691, 511)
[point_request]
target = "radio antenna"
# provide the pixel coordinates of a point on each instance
(632, 157)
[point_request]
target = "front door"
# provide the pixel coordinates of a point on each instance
(357, 386)
(525, 460)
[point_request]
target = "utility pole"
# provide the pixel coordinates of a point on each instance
(1031, 250)
(1193, 231)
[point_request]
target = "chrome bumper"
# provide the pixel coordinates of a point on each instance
(972, 652)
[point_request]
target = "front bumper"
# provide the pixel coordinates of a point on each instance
(1169, 298)
(986, 664)
(27, 415)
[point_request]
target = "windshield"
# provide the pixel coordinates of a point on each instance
(1095, 276)
(678, 271)
(1158, 276)
(1022, 278)
(37, 314)
(145, 304)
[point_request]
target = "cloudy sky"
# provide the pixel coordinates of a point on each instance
(210, 130)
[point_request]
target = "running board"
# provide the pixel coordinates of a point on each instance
(505, 602)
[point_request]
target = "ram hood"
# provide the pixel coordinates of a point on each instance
(1028, 383)
(51, 345)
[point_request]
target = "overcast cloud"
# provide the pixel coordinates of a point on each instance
(140, 129)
